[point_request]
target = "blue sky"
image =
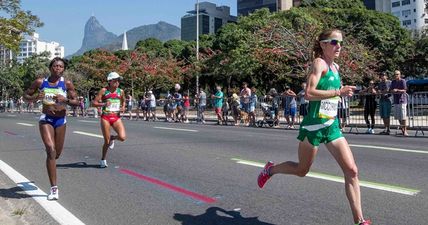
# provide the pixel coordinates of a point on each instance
(65, 19)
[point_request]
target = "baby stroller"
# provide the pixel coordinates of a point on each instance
(268, 116)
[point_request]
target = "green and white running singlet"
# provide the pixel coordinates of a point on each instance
(321, 125)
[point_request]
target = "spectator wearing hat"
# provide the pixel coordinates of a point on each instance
(399, 90)
(151, 106)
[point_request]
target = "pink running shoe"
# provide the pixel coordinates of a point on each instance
(264, 175)
(366, 222)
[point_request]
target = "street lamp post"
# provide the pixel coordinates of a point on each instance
(197, 57)
(197, 44)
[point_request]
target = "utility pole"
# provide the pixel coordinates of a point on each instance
(197, 44)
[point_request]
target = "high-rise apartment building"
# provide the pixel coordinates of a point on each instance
(413, 14)
(29, 46)
(211, 18)
(246, 7)
(33, 45)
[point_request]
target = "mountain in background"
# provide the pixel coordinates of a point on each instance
(162, 31)
(96, 36)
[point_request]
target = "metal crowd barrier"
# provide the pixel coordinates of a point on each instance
(353, 117)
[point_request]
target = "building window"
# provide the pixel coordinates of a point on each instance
(426, 21)
(407, 22)
(396, 14)
(405, 2)
(395, 4)
(406, 13)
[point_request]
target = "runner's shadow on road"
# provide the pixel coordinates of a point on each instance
(77, 165)
(218, 216)
(18, 192)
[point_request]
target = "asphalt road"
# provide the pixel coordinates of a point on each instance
(191, 174)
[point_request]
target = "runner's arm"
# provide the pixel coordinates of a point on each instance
(97, 100)
(71, 93)
(319, 68)
(29, 94)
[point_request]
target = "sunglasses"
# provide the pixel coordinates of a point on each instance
(333, 42)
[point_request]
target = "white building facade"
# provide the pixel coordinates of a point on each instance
(413, 14)
(32, 45)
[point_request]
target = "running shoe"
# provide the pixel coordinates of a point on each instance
(54, 193)
(103, 163)
(111, 145)
(365, 222)
(264, 175)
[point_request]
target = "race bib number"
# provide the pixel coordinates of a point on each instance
(114, 106)
(50, 93)
(328, 108)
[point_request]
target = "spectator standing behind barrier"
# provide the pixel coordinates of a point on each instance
(252, 109)
(129, 106)
(343, 111)
(143, 107)
(370, 106)
(178, 105)
(235, 103)
(218, 104)
(290, 107)
(151, 106)
(202, 99)
(303, 108)
(385, 102)
(186, 107)
(245, 97)
(274, 97)
(399, 88)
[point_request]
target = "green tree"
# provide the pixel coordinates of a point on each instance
(417, 63)
(151, 46)
(14, 22)
(35, 66)
(11, 80)
(339, 4)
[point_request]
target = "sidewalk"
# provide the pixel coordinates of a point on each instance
(18, 208)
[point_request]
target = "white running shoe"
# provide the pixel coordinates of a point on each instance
(372, 131)
(111, 146)
(54, 193)
(103, 163)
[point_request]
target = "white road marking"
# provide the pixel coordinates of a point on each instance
(389, 148)
(368, 184)
(88, 121)
(26, 124)
(177, 129)
(88, 134)
(56, 210)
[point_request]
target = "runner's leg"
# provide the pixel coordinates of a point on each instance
(48, 136)
(105, 129)
(340, 150)
(307, 153)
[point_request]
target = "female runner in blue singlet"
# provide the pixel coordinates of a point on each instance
(56, 93)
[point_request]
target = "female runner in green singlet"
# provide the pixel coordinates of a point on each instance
(321, 125)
